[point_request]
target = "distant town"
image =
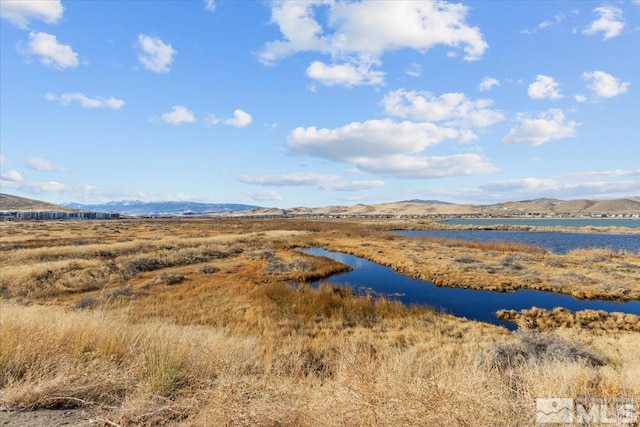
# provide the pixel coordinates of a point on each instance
(55, 215)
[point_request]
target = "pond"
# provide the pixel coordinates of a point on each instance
(553, 241)
(548, 222)
(369, 277)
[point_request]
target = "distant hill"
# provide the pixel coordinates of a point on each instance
(427, 202)
(137, 207)
(435, 207)
(15, 203)
(627, 206)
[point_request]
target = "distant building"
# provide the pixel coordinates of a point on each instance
(54, 215)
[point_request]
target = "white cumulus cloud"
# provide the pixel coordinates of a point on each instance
(12, 176)
(240, 119)
(86, 102)
(450, 108)
(370, 139)
(179, 114)
(39, 164)
(605, 85)
(549, 125)
(51, 52)
(387, 148)
(610, 22)
(425, 167)
(357, 34)
(544, 87)
(488, 83)
(344, 74)
(155, 55)
(21, 12)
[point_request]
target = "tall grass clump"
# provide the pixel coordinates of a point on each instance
(53, 278)
(528, 347)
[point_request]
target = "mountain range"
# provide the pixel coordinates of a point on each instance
(138, 207)
(627, 206)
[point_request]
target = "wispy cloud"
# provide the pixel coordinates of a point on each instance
(537, 187)
(263, 196)
(85, 101)
(608, 173)
(290, 179)
(210, 5)
(12, 175)
(82, 193)
(320, 181)
(414, 70)
(39, 164)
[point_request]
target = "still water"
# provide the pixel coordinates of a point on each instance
(369, 277)
(547, 222)
(553, 241)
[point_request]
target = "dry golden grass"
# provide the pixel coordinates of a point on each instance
(484, 246)
(192, 323)
(586, 273)
(420, 369)
(549, 320)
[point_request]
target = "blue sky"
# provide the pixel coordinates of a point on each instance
(319, 102)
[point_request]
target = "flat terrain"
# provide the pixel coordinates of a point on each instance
(192, 322)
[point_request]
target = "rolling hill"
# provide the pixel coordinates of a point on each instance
(15, 203)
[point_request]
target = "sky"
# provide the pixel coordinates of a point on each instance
(316, 103)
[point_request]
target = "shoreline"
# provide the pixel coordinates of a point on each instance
(575, 274)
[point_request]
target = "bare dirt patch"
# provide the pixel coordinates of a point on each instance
(48, 418)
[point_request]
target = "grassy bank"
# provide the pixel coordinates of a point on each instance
(499, 266)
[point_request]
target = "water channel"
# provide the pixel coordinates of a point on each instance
(369, 277)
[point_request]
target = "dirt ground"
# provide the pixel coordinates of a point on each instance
(49, 418)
